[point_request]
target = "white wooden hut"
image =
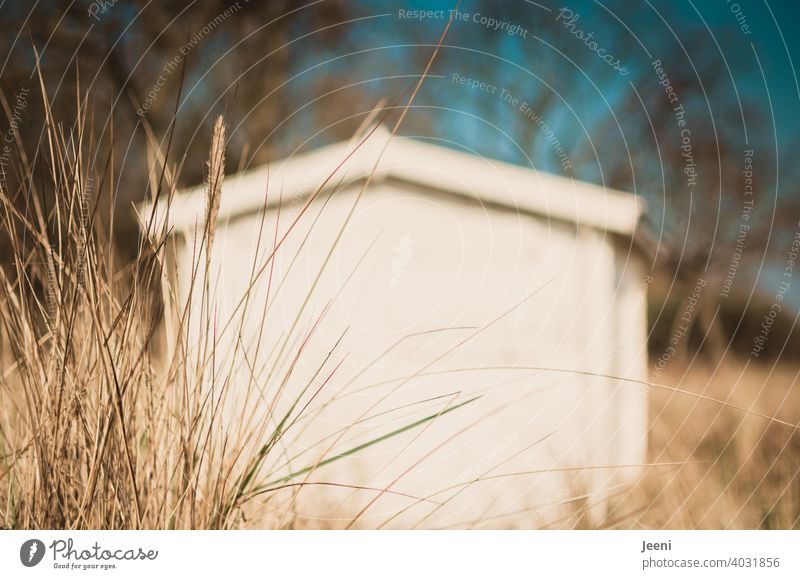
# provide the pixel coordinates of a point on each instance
(491, 296)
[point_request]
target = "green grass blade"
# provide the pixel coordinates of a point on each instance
(266, 487)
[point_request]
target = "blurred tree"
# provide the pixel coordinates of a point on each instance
(134, 59)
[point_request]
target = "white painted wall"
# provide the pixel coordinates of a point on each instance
(434, 262)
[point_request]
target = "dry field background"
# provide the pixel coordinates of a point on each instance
(741, 469)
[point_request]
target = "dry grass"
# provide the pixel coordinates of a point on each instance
(93, 433)
(112, 409)
(742, 470)
(99, 429)
(114, 414)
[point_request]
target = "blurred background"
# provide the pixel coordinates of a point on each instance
(692, 106)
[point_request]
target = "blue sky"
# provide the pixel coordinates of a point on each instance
(733, 52)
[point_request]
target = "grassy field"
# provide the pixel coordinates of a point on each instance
(105, 424)
(741, 469)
